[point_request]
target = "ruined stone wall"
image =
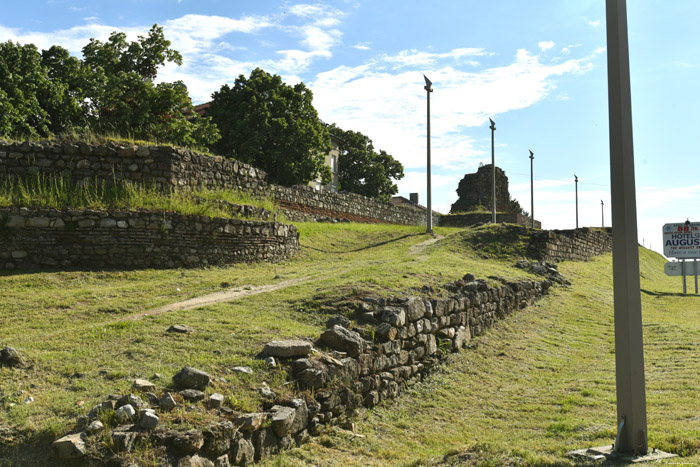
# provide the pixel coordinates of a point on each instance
(476, 190)
(314, 205)
(466, 220)
(41, 238)
(163, 166)
(570, 245)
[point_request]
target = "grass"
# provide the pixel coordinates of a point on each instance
(535, 386)
(59, 192)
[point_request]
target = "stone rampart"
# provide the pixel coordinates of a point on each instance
(67, 238)
(570, 245)
(163, 166)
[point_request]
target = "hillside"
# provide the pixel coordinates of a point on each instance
(532, 388)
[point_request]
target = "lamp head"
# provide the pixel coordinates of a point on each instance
(532, 154)
(493, 124)
(428, 84)
(575, 178)
(687, 221)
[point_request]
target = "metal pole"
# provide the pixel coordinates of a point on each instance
(602, 213)
(685, 289)
(695, 270)
(532, 190)
(629, 346)
(429, 220)
(576, 180)
(493, 170)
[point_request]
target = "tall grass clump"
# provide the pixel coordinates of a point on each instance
(55, 191)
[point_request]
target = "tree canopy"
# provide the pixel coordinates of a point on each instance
(363, 170)
(111, 90)
(272, 125)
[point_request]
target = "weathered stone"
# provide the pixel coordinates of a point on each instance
(415, 308)
(149, 419)
(282, 420)
(265, 442)
(180, 329)
(386, 331)
(70, 446)
(191, 378)
(301, 415)
(188, 442)
(194, 461)
(243, 452)
(123, 440)
(341, 339)
(340, 320)
(143, 385)
(192, 395)
(94, 427)
(11, 357)
(167, 403)
(216, 400)
(242, 369)
(287, 349)
(395, 316)
(126, 413)
(130, 399)
(222, 461)
(250, 422)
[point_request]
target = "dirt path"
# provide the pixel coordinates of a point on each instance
(419, 248)
(216, 297)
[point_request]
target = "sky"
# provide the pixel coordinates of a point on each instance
(538, 69)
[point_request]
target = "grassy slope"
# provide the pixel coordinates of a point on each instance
(541, 381)
(540, 384)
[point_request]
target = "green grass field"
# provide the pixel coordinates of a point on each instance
(535, 386)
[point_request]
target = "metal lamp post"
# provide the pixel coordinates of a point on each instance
(493, 170)
(429, 220)
(532, 190)
(576, 180)
(602, 214)
(629, 346)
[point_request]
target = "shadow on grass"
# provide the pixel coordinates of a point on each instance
(368, 247)
(654, 293)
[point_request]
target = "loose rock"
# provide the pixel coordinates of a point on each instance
(70, 446)
(287, 349)
(12, 358)
(341, 339)
(191, 378)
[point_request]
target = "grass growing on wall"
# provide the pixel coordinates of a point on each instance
(58, 192)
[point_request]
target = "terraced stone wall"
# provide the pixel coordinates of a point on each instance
(40, 238)
(466, 220)
(570, 245)
(163, 166)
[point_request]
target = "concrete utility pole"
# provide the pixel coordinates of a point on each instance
(532, 190)
(429, 220)
(576, 180)
(493, 169)
(629, 347)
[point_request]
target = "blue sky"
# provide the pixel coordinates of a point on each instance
(537, 68)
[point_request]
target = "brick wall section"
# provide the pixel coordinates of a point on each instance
(570, 245)
(163, 166)
(465, 220)
(40, 238)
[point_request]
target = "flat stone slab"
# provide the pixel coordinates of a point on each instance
(287, 349)
(606, 453)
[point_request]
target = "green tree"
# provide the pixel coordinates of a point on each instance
(27, 92)
(123, 98)
(273, 126)
(363, 170)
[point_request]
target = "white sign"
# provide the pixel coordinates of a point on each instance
(675, 268)
(682, 240)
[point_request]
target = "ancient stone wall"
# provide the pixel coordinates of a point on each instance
(162, 166)
(66, 238)
(570, 245)
(314, 205)
(466, 220)
(476, 191)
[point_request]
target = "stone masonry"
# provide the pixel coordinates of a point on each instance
(476, 191)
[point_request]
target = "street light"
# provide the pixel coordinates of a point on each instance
(532, 190)
(493, 169)
(602, 214)
(576, 180)
(429, 221)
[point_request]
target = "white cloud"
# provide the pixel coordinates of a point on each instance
(387, 102)
(361, 46)
(545, 45)
(595, 23)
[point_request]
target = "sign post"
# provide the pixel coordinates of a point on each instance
(682, 241)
